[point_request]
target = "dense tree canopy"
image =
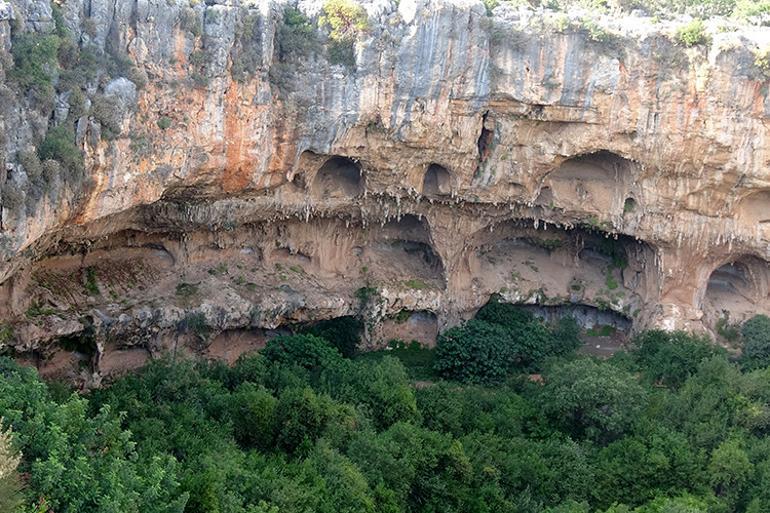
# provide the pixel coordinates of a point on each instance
(673, 426)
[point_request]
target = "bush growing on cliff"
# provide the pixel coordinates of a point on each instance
(297, 37)
(246, 52)
(35, 60)
(346, 21)
(692, 33)
(59, 145)
(344, 333)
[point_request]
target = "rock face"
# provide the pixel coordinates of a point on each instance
(238, 177)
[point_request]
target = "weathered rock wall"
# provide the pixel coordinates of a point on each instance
(244, 180)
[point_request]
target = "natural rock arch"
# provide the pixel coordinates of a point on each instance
(597, 182)
(737, 288)
(554, 266)
(339, 177)
(437, 181)
(402, 250)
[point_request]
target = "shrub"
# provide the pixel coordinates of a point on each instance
(307, 351)
(246, 55)
(35, 64)
(671, 357)
(164, 122)
(342, 53)
(590, 400)
(346, 21)
(10, 485)
(301, 417)
(252, 410)
(345, 18)
(12, 196)
(106, 110)
(531, 341)
(756, 342)
(296, 36)
(476, 352)
(59, 144)
(195, 323)
(692, 33)
(343, 333)
(190, 21)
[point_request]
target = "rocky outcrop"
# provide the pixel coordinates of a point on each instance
(239, 174)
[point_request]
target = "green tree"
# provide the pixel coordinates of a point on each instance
(671, 357)
(10, 486)
(307, 351)
(590, 400)
(253, 413)
(476, 352)
(729, 471)
(756, 342)
(301, 418)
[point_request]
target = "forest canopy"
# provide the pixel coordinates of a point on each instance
(673, 425)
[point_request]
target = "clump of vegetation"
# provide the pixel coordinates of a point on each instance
(756, 342)
(90, 283)
(6, 333)
(346, 21)
(196, 323)
(164, 122)
(59, 145)
(35, 66)
(670, 358)
(416, 284)
(245, 54)
(692, 33)
(343, 333)
(500, 339)
(45, 65)
(728, 330)
(10, 484)
(186, 290)
(672, 425)
(297, 37)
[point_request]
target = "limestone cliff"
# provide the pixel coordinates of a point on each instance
(243, 170)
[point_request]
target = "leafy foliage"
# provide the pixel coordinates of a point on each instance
(671, 357)
(692, 33)
(502, 337)
(299, 428)
(756, 342)
(346, 21)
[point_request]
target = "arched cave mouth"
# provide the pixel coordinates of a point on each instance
(556, 266)
(737, 289)
(754, 209)
(437, 181)
(599, 183)
(590, 318)
(407, 327)
(402, 252)
(339, 177)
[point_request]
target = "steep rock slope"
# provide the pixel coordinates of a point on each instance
(245, 167)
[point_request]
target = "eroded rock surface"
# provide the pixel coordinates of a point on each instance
(234, 184)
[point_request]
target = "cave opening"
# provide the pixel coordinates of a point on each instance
(598, 182)
(737, 289)
(402, 250)
(437, 181)
(408, 327)
(339, 177)
(629, 206)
